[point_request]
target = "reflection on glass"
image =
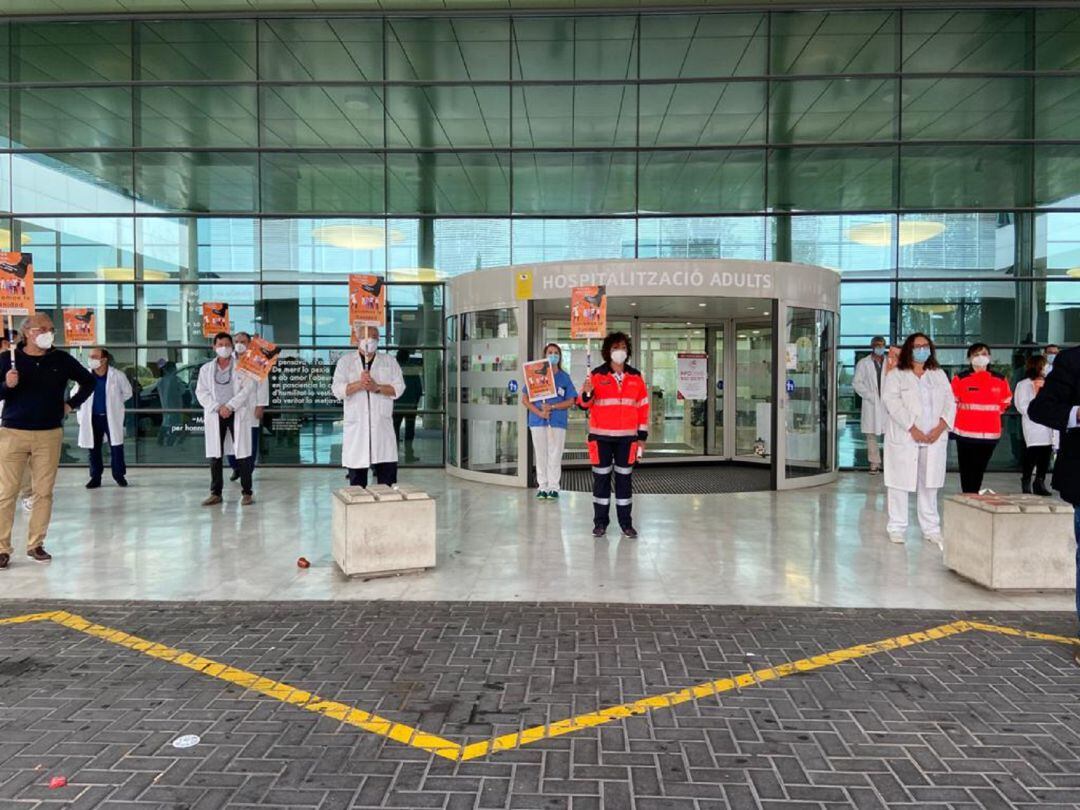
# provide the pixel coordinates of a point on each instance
(195, 50)
(80, 247)
(574, 182)
(558, 48)
(753, 390)
(582, 116)
(701, 181)
(834, 42)
(966, 108)
(448, 183)
(865, 310)
(1057, 244)
(196, 181)
(71, 52)
(1057, 176)
(966, 41)
(330, 249)
(190, 249)
(959, 313)
(549, 240)
(677, 46)
(72, 117)
(965, 176)
(860, 246)
(832, 179)
(199, 116)
(957, 244)
(323, 182)
(306, 50)
(677, 425)
(809, 367)
(490, 391)
(457, 116)
(702, 238)
(832, 110)
(77, 183)
(440, 49)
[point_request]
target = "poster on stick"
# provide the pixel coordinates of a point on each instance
(693, 375)
(16, 284)
(367, 301)
(588, 313)
(259, 359)
(80, 326)
(539, 380)
(215, 318)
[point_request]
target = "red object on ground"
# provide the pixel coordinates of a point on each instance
(303, 562)
(57, 782)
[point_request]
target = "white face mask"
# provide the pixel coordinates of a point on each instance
(94, 363)
(241, 348)
(980, 361)
(618, 356)
(44, 340)
(369, 345)
(224, 352)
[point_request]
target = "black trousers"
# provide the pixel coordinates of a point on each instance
(614, 460)
(1037, 459)
(973, 455)
(243, 465)
(385, 473)
(410, 426)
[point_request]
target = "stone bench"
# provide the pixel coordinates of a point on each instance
(1011, 542)
(380, 531)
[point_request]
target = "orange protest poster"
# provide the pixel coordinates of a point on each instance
(588, 312)
(539, 380)
(259, 359)
(80, 326)
(215, 318)
(367, 301)
(16, 284)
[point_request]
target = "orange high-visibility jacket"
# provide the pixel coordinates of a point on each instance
(981, 398)
(617, 408)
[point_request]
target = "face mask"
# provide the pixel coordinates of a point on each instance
(1050, 358)
(241, 348)
(369, 345)
(553, 359)
(880, 351)
(94, 363)
(921, 354)
(618, 357)
(45, 340)
(980, 361)
(224, 352)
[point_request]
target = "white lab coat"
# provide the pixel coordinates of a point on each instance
(1035, 435)
(865, 384)
(117, 392)
(900, 394)
(369, 418)
(244, 390)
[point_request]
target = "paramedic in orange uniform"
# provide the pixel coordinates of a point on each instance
(982, 396)
(617, 400)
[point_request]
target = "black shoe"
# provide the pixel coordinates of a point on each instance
(630, 532)
(599, 531)
(93, 483)
(1025, 486)
(5, 561)
(39, 554)
(1039, 487)
(121, 481)
(235, 475)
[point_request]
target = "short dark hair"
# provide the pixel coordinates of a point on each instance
(878, 339)
(1035, 365)
(221, 335)
(975, 348)
(1050, 346)
(104, 353)
(906, 360)
(245, 334)
(613, 339)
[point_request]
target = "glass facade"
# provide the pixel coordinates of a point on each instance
(927, 155)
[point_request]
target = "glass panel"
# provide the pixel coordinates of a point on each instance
(72, 117)
(677, 425)
(1057, 45)
(702, 238)
(196, 181)
(965, 176)
(860, 246)
(322, 182)
(1057, 245)
(969, 41)
(574, 182)
(432, 249)
(1056, 103)
(959, 313)
(448, 117)
(179, 50)
(551, 240)
(717, 363)
(114, 305)
(966, 109)
(72, 52)
(490, 409)
(321, 50)
(460, 49)
(702, 181)
(834, 42)
(439, 183)
(327, 248)
(957, 245)
(86, 182)
(832, 110)
(81, 247)
(319, 117)
(575, 116)
(1057, 176)
(199, 116)
(753, 390)
(453, 395)
(864, 312)
(808, 424)
(702, 114)
(5, 114)
(831, 179)
(685, 46)
(559, 48)
(1058, 312)
(189, 249)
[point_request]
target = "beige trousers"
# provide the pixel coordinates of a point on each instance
(38, 450)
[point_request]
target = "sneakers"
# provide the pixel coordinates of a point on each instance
(936, 539)
(39, 554)
(93, 483)
(553, 495)
(247, 500)
(896, 537)
(213, 500)
(5, 561)
(987, 491)
(599, 531)
(121, 481)
(629, 532)
(541, 495)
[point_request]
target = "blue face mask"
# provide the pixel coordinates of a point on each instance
(880, 351)
(553, 359)
(1050, 358)
(921, 354)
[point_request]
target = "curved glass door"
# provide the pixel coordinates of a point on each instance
(808, 423)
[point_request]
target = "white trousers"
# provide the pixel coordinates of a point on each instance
(873, 450)
(548, 443)
(926, 498)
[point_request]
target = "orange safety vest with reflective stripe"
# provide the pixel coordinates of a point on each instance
(618, 406)
(981, 398)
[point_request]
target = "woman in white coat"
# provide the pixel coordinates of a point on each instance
(368, 382)
(1039, 440)
(869, 374)
(226, 396)
(921, 407)
(103, 415)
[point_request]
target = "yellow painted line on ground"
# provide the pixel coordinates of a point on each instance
(407, 735)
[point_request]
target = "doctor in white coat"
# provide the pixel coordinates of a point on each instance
(258, 405)
(103, 415)
(921, 408)
(226, 396)
(368, 382)
(869, 373)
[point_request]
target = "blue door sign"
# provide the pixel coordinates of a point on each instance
(789, 386)
(512, 386)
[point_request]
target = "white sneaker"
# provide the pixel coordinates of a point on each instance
(987, 491)
(896, 537)
(28, 504)
(936, 539)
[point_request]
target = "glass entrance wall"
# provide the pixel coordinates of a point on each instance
(677, 425)
(809, 370)
(753, 390)
(490, 396)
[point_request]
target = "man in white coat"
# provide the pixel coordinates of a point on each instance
(368, 382)
(103, 415)
(258, 406)
(867, 384)
(226, 396)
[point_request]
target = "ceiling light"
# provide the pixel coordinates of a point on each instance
(418, 274)
(765, 313)
(749, 307)
(1073, 272)
(633, 303)
(935, 309)
(128, 274)
(911, 232)
(702, 304)
(5, 238)
(357, 237)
